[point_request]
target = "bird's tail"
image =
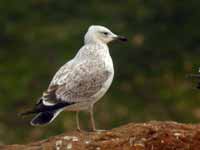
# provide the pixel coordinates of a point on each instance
(45, 114)
(44, 118)
(28, 112)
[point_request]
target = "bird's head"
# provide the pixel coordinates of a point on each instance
(97, 33)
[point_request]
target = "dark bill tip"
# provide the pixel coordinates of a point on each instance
(122, 38)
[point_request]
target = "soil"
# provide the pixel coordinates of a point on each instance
(133, 136)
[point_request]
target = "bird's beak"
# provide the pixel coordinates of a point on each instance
(120, 38)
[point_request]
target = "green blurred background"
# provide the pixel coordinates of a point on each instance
(38, 36)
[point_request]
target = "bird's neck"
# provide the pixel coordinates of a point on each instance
(94, 50)
(94, 41)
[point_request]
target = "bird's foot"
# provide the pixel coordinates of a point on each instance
(78, 129)
(99, 130)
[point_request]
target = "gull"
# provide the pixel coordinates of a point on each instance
(81, 82)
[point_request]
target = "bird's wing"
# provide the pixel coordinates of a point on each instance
(77, 82)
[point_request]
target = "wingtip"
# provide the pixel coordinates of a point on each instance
(20, 114)
(26, 113)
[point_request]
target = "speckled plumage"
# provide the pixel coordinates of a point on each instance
(84, 78)
(81, 82)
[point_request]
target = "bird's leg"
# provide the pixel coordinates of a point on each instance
(77, 121)
(92, 119)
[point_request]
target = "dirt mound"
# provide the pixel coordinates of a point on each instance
(140, 136)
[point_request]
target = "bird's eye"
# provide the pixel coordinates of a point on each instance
(105, 33)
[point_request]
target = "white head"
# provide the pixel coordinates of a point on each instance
(101, 34)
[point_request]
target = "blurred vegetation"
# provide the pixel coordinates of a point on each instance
(38, 36)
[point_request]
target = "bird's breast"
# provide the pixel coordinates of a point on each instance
(109, 63)
(109, 69)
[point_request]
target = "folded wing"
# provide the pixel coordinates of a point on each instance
(76, 83)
